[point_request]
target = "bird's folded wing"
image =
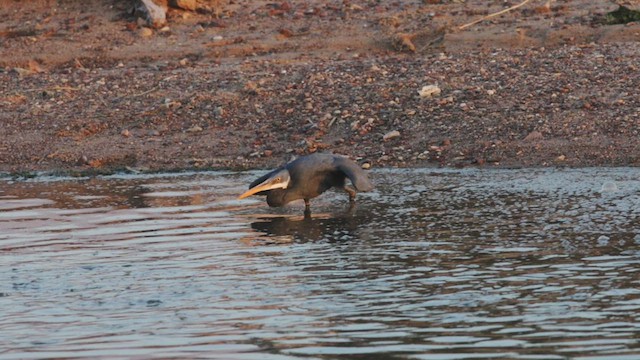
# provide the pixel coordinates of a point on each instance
(358, 177)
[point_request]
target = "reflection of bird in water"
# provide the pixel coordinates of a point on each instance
(308, 177)
(306, 228)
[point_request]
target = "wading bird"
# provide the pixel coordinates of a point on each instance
(307, 177)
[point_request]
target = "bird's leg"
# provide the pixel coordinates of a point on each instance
(307, 209)
(352, 193)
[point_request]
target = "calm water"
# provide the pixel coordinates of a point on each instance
(473, 264)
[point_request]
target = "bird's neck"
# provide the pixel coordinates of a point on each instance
(280, 197)
(276, 197)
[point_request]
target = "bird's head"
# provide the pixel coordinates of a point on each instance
(279, 180)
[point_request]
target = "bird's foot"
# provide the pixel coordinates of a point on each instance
(352, 193)
(307, 209)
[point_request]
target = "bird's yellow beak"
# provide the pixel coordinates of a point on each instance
(268, 184)
(254, 190)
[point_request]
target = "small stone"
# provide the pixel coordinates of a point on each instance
(366, 165)
(429, 91)
(218, 38)
(218, 111)
(156, 14)
(145, 32)
(561, 158)
(190, 5)
(21, 71)
(286, 33)
(491, 92)
(125, 133)
(268, 153)
(165, 29)
(533, 136)
(391, 135)
(194, 129)
(603, 240)
(83, 160)
(184, 62)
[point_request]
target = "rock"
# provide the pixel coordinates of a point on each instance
(125, 133)
(155, 14)
(561, 158)
(391, 135)
(429, 91)
(34, 66)
(533, 136)
(403, 42)
(366, 165)
(603, 240)
(145, 32)
(190, 5)
(194, 129)
(21, 71)
(268, 153)
(83, 160)
(218, 111)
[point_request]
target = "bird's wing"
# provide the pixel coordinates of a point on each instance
(354, 172)
(264, 177)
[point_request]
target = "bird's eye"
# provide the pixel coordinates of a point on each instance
(277, 179)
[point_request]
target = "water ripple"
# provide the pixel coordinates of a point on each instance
(446, 264)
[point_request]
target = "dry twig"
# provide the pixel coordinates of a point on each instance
(493, 15)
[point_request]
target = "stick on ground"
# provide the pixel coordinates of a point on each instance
(493, 15)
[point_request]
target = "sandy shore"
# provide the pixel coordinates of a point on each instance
(85, 87)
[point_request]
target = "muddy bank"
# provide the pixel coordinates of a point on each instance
(259, 83)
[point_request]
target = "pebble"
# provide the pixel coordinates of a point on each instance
(125, 133)
(429, 91)
(218, 111)
(194, 129)
(191, 5)
(533, 136)
(146, 32)
(366, 165)
(391, 135)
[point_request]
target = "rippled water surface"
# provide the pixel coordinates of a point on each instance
(472, 264)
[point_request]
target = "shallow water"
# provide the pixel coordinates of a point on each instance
(471, 264)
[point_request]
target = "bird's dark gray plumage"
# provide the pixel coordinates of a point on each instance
(309, 176)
